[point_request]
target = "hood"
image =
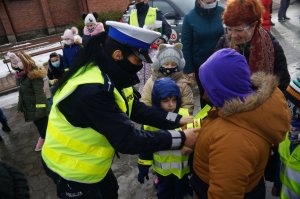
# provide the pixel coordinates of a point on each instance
(265, 112)
(163, 88)
(36, 73)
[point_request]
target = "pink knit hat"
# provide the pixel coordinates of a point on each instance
(68, 34)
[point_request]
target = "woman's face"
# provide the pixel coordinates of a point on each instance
(242, 33)
(205, 3)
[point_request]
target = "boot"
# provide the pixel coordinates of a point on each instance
(39, 144)
(5, 128)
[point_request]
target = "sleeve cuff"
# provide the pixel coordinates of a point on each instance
(177, 139)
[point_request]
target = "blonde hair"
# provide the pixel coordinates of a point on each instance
(28, 62)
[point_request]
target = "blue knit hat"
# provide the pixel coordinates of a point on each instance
(225, 76)
(163, 88)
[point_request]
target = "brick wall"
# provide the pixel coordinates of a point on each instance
(27, 17)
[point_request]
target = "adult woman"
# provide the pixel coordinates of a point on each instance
(245, 34)
(234, 143)
(202, 27)
(32, 99)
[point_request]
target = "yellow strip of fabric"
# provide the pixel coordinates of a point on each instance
(40, 105)
(103, 152)
(74, 163)
(144, 162)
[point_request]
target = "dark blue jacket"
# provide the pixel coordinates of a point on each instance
(201, 31)
(69, 53)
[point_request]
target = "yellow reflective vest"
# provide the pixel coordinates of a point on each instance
(289, 170)
(150, 17)
(170, 161)
(80, 154)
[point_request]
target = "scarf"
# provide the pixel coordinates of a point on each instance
(261, 56)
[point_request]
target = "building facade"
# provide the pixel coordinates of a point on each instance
(28, 19)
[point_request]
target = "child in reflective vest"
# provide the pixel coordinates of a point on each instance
(171, 166)
(287, 181)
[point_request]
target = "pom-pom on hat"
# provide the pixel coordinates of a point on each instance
(137, 39)
(68, 34)
(293, 90)
(169, 53)
(225, 76)
(90, 18)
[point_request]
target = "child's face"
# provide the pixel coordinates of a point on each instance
(169, 104)
(169, 65)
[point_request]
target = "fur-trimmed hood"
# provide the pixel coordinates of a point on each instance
(36, 73)
(264, 83)
(265, 112)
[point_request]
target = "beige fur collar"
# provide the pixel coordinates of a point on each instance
(36, 73)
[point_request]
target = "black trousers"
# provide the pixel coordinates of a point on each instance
(66, 189)
(201, 188)
(41, 125)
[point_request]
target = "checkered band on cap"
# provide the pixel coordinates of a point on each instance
(293, 90)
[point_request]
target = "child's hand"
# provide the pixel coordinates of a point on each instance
(191, 137)
(186, 150)
(185, 120)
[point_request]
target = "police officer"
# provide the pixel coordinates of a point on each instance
(146, 15)
(93, 111)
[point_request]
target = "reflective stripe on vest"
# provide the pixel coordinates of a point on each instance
(170, 161)
(289, 170)
(149, 19)
(78, 154)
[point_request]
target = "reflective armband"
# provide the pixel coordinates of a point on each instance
(144, 162)
(40, 106)
(196, 124)
(66, 69)
(203, 112)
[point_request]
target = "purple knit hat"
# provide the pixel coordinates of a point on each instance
(226, 75)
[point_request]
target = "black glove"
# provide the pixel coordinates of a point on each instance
(143, 172)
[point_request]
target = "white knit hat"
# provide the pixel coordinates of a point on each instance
(90, 18)
(169, 53)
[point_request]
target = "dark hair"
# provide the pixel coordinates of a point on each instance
(53, 55)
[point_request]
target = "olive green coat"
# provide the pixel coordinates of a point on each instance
(32, 99)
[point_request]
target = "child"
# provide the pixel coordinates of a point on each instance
(32, 99)
(70, 48)
(171, 166)
(91, 26)
(169, 62)
(289, 150)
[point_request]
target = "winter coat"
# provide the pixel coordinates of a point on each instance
(200, 34)
(87, 35)
(32, 99)
(69, 54)
(266, 17)
(280, 64)
(234, 143)
(56, 73)
(186, 92)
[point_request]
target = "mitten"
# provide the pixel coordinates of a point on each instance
(143, 172)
